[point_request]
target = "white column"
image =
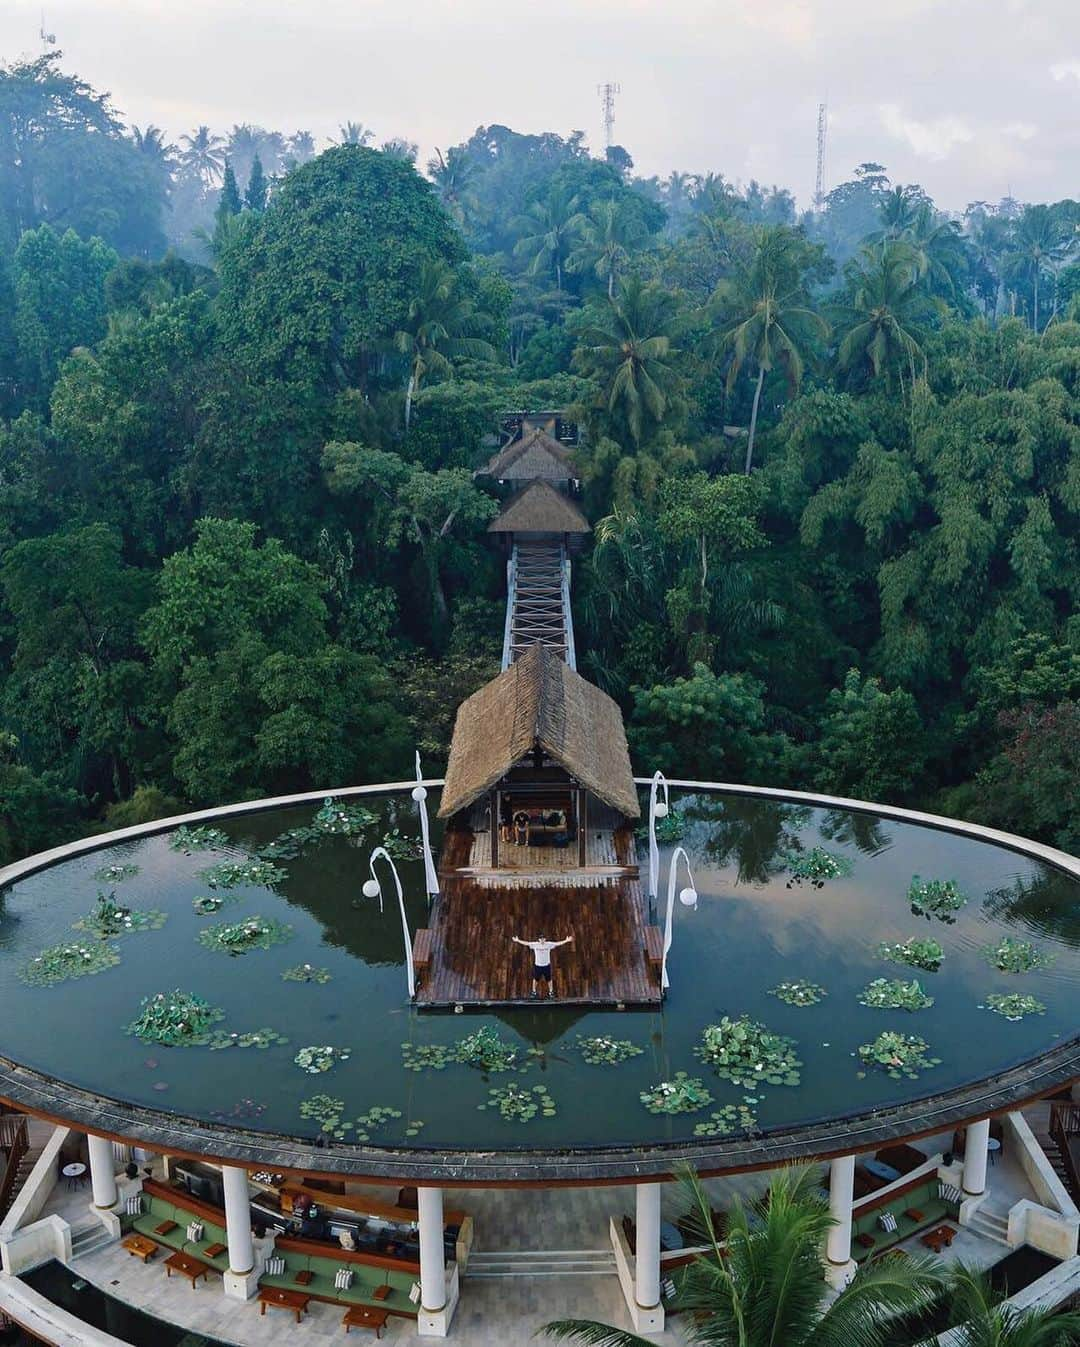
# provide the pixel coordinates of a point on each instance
(840, 1266)
(975, 1148)
(436, 1305)
(102, 1172)
(647, 1253)
(241, 1277)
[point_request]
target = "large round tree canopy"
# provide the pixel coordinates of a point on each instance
(331, 265)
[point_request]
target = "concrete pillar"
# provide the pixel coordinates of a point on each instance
(436, 1307)
(975, 1148)
(102, 1172)
(241, 1278)
(840, 1267)
(648, 1313)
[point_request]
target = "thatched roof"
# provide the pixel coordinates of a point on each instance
(539, 700)
(534, 456)
(539, 508)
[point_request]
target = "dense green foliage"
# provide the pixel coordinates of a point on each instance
(833, 466)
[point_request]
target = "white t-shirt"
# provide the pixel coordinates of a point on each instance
(542, 951)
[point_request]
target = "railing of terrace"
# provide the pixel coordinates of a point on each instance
(15, 1139)
(1064, 1131)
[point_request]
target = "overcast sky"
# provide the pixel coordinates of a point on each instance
(971, 98)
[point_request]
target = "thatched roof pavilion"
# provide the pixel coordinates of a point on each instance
(534, 456)
(539, 701)
(539, 508)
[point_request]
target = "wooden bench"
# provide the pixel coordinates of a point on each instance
(654, 950)
(422, 950)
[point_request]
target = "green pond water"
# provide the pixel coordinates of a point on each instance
(752, 930)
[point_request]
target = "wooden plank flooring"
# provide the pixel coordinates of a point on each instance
(476, 963)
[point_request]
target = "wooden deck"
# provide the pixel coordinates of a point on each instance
(475, 963)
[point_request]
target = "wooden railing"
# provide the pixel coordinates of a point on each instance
(15, 1139)
(1064, 1132)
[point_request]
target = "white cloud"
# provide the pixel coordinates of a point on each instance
(1065, 70)
(929, 140)
(1020, 130)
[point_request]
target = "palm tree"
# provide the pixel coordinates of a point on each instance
(437, 329)
(301, 147)
(983, 1322)
(880, 326)
(764, 315)
(898, 210)
(1039, 242)
(765, 1288)
(151, 143)
(203, 156)
(629, 351)
(607, 236)
(548, 230)
(943, 255)
(453, 174)
(355, 133)
(397, 147)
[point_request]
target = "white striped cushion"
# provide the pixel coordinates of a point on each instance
(275, 1266)
(343, 1278)
(414, 1293)
(195, 1231)
(133, 1206)
(949, 1192)
(887, 1221)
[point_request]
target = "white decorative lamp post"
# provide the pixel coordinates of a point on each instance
(372, 889)
(687, 896)
(657, 809)
(419, 794)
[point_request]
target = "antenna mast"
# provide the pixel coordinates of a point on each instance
(47, 39)
(819, 181)
(607, 94)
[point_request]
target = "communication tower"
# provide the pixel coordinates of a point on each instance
(819, 181)
(607, 94)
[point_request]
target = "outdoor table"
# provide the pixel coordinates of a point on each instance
(991, 1146)
(280, 1299)
(360, 1316)
(75, 1174)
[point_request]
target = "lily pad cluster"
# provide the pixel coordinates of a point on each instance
(726, 1120)
(898, 1054)
(175, 1019)
(238, 937)
(799, 993)
(815, 867)
(401, 848)
(519, 1103)
(602, 1051)
(315, 1060)
(486, 1050)
(1013, 1005)
(290, 844)
(237, 874)
(305, 972)
(327, 1112)
(747, 1052)
(110, 918)
(939, 898)
(681, 1094)
(373, 1119)
(1016, 956)
(73, 959)
(255, 1038)
(343, 820)
(427, 1056)
(202, 838)
(924, 954)
(115, 874)
(895, 994)
(209, 904)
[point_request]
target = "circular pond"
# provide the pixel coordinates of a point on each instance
(231, 976)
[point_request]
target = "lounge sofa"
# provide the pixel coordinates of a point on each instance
(868, 1239)
(160, 1205)
(369, 1271)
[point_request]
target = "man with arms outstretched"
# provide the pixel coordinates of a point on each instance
(541, 949)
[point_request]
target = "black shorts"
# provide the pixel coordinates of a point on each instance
(541, 974)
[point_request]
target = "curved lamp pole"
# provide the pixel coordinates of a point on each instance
(657, 809)
(372, 889)
(419, 794)
(688, 898)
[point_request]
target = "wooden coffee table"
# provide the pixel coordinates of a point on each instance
(361, 1316)
(186, 1266)
(939, 1238)
(140, 1247)
(280, 1299)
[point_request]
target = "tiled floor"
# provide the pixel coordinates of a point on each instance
(502, 1312)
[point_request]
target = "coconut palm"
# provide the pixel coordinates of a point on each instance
(548, 231)
(453, 174)
(355, 133)
(437, 329)
(629, 351)
(880, 327)
(301, 147)
(608, 234)
(397, 147)
(1039, 243)
(151, 142)
(765, 1287)
(764, 317)
(898, 210)
(943, 255)
(984, 1322)
(203, 156)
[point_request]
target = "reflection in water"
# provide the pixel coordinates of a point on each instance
(866, 832)
(1047, 902)
(755, 833)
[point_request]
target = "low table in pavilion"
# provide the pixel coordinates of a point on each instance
(279, 1299)
(140, 1247)
(186, 1266)
(362, 1316)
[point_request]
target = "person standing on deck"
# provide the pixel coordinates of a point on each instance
(541, 949)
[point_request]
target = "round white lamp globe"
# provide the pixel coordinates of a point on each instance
(371, 888)
(661, 810)
(419, 794)
(688, 897)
